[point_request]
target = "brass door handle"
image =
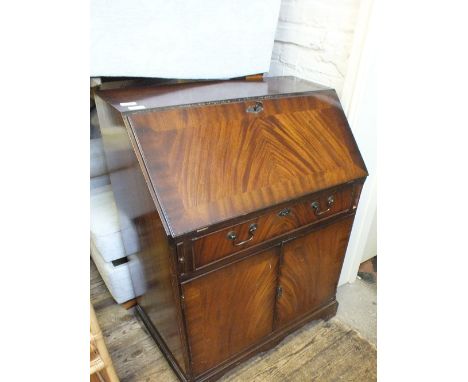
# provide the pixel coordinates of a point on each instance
(279, 291)
(316, 206)
(233, 236)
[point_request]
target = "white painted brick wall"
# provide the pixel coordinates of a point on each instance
(314, 39)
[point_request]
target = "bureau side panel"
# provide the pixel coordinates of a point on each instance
(144, 235)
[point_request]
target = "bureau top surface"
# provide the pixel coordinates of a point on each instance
(161, 96)
(212, 162)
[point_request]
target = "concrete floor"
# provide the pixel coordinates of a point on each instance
(358, 308)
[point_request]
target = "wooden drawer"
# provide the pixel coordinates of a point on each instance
(214, 246)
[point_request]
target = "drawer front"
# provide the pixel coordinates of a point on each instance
(217, 245)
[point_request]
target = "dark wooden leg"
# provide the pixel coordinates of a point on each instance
(331, 311)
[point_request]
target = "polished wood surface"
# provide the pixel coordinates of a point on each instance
(329, 351)
(192, 172)
(310, 269)
(153, 282)
(204, 92)
(209, 164)
(158, 297)
(230, 309)
(212, 247)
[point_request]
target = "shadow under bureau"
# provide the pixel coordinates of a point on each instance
(240, 196)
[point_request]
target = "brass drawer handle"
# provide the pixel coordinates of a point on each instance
(284, 212)
(316, 206)
(233, 236)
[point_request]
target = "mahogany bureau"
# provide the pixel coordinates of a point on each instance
(241, 196)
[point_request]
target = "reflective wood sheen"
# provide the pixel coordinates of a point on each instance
(310, 269)
(153, 279)
(159, 298)
(209, 164)
(217, 245)
(199, 165)
(230, 309)
(206, 91)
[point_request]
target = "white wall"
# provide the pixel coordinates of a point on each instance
(332, 42)
(314, 39)
(359, 98)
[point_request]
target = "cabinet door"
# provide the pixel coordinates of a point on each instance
(310, 269)
(230, 309)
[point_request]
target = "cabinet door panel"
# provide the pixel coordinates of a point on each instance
(230, 309)
(310, 270)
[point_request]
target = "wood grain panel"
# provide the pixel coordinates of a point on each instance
(230, 309)
(143, 234)
(310, 269)
(197, 161)
(325, 351)
(156, 283)
(217, 245)
(209, 164)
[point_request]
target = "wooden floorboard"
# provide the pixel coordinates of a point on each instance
(320, 351)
